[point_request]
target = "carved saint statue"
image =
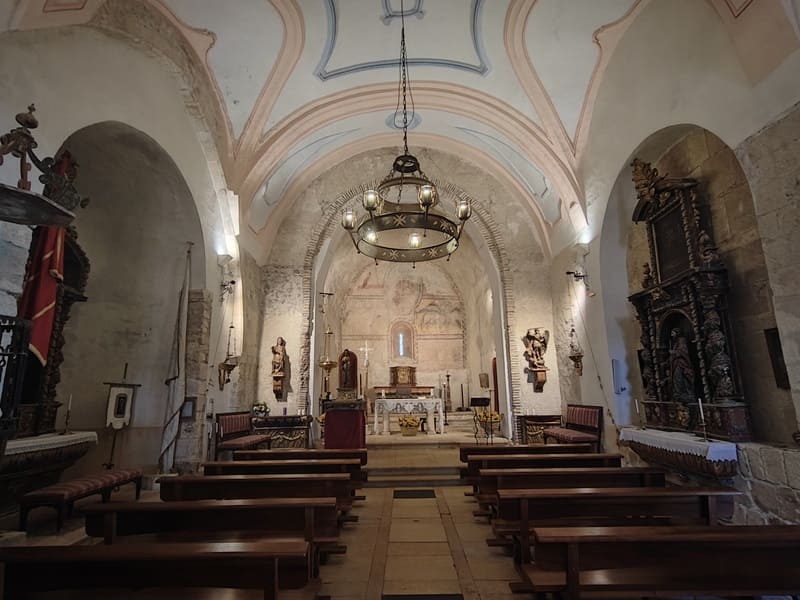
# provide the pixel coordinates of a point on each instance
(278, 368)
(279, 358)
(535, 341)
(680, 368)
(347, 370)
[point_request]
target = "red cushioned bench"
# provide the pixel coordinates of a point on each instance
(234, 432)
(582, 425)
(62, 496)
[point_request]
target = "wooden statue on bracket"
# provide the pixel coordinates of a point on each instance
(348, 375)
(278, 368)
(536, 341)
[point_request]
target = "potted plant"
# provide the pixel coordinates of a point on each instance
(409, 425)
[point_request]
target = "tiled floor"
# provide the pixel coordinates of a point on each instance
(418, 546)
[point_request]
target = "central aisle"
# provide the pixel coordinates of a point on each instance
(417, 546)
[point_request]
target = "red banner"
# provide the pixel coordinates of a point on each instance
(39, 293)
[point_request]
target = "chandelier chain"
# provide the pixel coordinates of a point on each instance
(404, 74)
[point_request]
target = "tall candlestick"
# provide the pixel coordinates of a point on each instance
(69, 403)
(636, 403)
(700, 406)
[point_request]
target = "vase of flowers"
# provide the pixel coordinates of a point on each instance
(489, 421)
(409, 425)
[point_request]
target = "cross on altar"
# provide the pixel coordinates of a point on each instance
(365, 349)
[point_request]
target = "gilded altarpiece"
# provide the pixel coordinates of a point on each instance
(687, 354)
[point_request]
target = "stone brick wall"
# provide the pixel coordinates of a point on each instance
(771, 161)
(14, 243)
(190, 449)
(770, 480)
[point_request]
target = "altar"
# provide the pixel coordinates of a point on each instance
(384, 407)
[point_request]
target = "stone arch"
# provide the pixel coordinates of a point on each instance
(489, 234)
(688, 150)
(134, 232)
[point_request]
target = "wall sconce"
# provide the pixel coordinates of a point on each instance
(227, 288)
(578, 276)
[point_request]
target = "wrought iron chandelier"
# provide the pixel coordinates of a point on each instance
(402, 223)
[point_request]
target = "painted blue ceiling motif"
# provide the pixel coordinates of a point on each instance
(480, 66)
(390, 13)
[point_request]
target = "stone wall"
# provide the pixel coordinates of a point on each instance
(14, 244)
(771, 161)
(770, 480)
(190, 450)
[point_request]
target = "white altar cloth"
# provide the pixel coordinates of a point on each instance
(50, 441)
(678, 441)
(387, 406)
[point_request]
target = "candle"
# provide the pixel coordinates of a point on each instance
(700, 406)
(636, 403)
(69, 403)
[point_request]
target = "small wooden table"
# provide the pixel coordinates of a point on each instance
(301, 454)
(352, 466)
(511, 461)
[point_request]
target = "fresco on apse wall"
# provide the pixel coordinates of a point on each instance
(425, 299)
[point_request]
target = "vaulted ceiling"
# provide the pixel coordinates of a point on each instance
(290, 88)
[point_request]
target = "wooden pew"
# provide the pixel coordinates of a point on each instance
(481, 449)
(313, 519)
(490, 480)
(300, 454)
(478, 449)
(352, 466)
(520, 510)
(719, 561)
(242, 565)
(309, 485)
(538, 461)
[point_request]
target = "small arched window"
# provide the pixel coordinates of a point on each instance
(402, 336)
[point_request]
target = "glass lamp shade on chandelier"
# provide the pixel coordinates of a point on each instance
(404, 222)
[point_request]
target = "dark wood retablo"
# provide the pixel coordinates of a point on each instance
(687, 342)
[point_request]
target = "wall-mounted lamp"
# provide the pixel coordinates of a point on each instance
(227, 288)
(578, 276)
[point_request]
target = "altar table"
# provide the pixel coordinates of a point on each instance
(387, 406)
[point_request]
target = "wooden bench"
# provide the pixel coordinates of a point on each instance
(222, 487)
(520, 510)
(62, 496)
(537, 461)
(351, 466)
(235, 432)
(492, 480)
(242, 565)
(479, 450)
(719, 561)
(301, 454)
(313, 519)
(582, 425)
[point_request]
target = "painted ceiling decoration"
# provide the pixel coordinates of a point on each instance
(343, 43)
(284, 89)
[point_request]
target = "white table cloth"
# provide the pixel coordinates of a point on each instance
(389, 406)
(678, 441)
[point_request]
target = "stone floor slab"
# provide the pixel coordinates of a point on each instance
(417, 530)
(420, 568)
(419, 549)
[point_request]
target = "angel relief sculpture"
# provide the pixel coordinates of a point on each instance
(535, 341)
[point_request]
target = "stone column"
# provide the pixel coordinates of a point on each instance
(190, 450)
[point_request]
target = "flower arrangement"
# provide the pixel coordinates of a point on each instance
(409, 421)
(488, 417)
